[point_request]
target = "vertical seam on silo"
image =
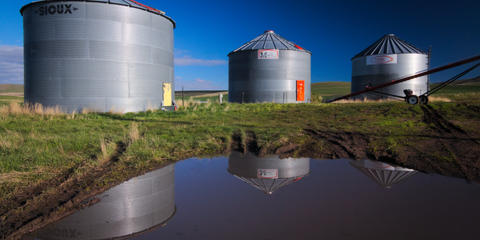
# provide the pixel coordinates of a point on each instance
(396, 177)
(393, 46)
(384, 46)
(375, 47)
(257, 42)
(403, 48)
(273, 42)
(265, 41)
(399, 46)
(128, 78)
(283, 41)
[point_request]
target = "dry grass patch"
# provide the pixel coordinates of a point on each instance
(439, 99)
(15, 108)
(133, 132)
(365, 100)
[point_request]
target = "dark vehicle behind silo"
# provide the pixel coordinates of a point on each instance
(269, 69)
(99, 55)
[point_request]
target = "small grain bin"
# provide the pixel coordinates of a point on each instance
(384, 174)
(99, 55)
(269, 173)
(388, 59)
(131, 208)
(269, 69)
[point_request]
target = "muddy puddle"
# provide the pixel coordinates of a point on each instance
(245, 197)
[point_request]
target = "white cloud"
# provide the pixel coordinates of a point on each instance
(11, 64)
(190, 61)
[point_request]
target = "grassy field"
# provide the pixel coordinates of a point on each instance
(75, 155)
(11, 88)
(322, 90)
(330, 90)
(6, 100)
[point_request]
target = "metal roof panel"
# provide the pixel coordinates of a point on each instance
(389, 44)
(269, 40)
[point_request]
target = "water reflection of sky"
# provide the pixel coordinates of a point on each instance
(336, 200)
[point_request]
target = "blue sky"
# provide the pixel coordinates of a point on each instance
(333, 30)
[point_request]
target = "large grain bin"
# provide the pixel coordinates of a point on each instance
(131, 208)
(99, 55)
(386, 175)
(269, 173)
(269, 69)
(389, 58)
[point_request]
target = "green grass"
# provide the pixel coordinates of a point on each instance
(458, 89)
(465, 89)
(329, 90)
(28, 142)
(5, 100)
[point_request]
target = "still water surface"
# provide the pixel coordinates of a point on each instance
(244, 197)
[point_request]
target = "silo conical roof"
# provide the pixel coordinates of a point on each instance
(129, 3)
(389, 44)
(269, 40)
(268, 186)
(384, 174)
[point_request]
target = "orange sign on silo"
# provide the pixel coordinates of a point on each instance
(300, 90)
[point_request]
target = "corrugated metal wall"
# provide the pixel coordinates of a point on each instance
(364, 74)
(269, 68)
(101, 57)
(253, 80)
(389, 58)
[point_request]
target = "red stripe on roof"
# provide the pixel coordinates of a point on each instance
(145, 6)
(298, 47)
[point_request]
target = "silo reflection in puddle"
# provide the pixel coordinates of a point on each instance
(269, 173)
(384, 174)
(133, 207)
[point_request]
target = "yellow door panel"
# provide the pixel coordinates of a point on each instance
(167, 94)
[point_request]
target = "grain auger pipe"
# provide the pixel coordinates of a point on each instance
(412, 99)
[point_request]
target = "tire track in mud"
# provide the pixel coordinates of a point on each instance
(343, 144)
(454, 142)
(35, 210)
(440, 123)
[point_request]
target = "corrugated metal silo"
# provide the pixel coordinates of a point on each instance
(269, 69)
(269, 173)
(100, 55)
(388, 59)
(131, 208)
